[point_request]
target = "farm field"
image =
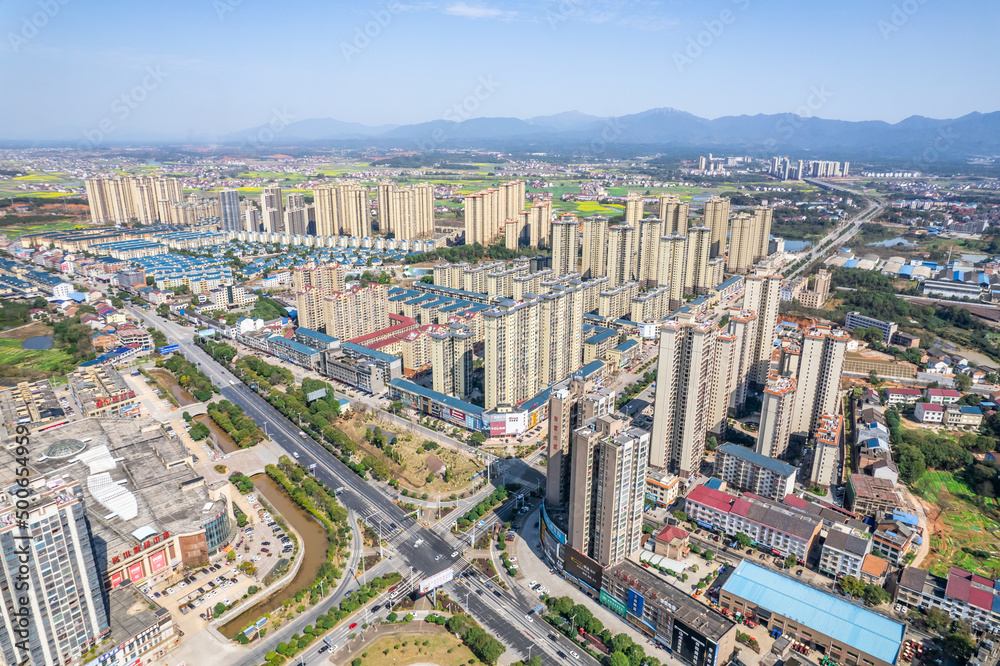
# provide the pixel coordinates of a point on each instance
(963, 534)
(15, 230)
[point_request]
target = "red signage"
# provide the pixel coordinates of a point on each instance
(116, 579)
(135, 572)
(138, 549)
(157, 561)
(498, 428)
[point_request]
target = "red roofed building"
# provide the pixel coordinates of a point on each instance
(940, 396)
(781, 528)
(963, 595)
(928, 412)
(672, 542)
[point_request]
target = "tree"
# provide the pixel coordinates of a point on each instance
(874, 379)
(477, 438)
(852, 586)
(619, 659)
(875, 595)
(963, 383)
(790, 561)
(743, 539)
(708, 555)
(681, 516)
(960, 645)
(219, 608)
(937, 619)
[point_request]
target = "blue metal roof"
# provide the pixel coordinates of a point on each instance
(906, 270)
(714, 484)
(625, 346)
(601, 337)
(968, 409)
(461, 405)
(850, 263)
(365, 351)
(983, 278)
(730, 282)
(534, 403)
(859, 628)
(590, 368)
(315, 335)
(759, 459)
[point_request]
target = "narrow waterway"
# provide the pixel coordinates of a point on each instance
(219, 436)
(180, 393)
(311, 532)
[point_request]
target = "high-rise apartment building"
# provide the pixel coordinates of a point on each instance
(565, 245)
(251, 219)
(607, 489)
(356, 312)
(342, 210)
(826, 454)
(229, 207)
(698, 279)
(47, 542)
(762, 231)
(717, 219)
(451, 360)
(536, 219)
(743, 326)
(672, 273)
(723, 380)
(272, 209)
(124, 199)
(309, 307)
(683, 386)
(616, 302)
(621, 266)
(406, 212)
(650, 230)
(328, 277)
(634, 205)
(486, 211)
(674, 214)
(511, 352)
(571, 403)
(741, 244)
(560, 333)
(777, 408)
(296, 220)
(820, 369)
(762, 295)
(595, 247)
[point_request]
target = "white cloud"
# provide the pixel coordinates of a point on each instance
(478, 12)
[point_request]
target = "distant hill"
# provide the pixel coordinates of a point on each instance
(916, 139)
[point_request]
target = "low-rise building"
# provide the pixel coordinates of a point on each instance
(30, 404)
(874, 570)
(893, 540)
(902, 396)
(670, 617)
(748, 470)
(99, 390)
(928, 412)
(661, 487)
(940, 396)
(870, 496)
(848, 633)
(672, 542)
(965, 596)
(963, 416)
(843, 553)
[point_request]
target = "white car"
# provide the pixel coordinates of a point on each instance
(454, 553)
(182, 585)
(532, 584)
(168, 591)
(513, 559)
(529, 618)
(574, 654)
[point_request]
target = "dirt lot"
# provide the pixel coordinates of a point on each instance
(31, 330)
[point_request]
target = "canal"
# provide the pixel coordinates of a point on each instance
(314, 543)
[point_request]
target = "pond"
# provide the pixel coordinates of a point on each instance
(314, 555)
(38, 342)
(893, 242)
(219, 436)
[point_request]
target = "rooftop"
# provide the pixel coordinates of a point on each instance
(759, 459)
(859, 628)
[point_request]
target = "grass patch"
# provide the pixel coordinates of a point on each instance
(970, 538)
(442, 649)
(47, 360)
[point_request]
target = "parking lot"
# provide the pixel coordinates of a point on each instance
(192, 599)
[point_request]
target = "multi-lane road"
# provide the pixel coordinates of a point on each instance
(419, 551)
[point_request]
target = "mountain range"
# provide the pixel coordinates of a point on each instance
(918, 138)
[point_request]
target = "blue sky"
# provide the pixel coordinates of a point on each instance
(196, 68)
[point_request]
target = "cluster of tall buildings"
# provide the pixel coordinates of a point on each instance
(784, 169)
(406, 211)
(342, 313)
(488, 212)
(128, 199)
(342, 210)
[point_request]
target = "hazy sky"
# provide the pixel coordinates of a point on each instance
(192, 68)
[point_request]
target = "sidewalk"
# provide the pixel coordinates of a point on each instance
(533, 566)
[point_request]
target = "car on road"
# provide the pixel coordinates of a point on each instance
(353, 625)
(454, 553)
(574, 654)
(529, 618)
(438, 558)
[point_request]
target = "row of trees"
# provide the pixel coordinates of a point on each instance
(482, 644)
(484, 507)
(236, 423)
(623, 650)
(190, 377)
